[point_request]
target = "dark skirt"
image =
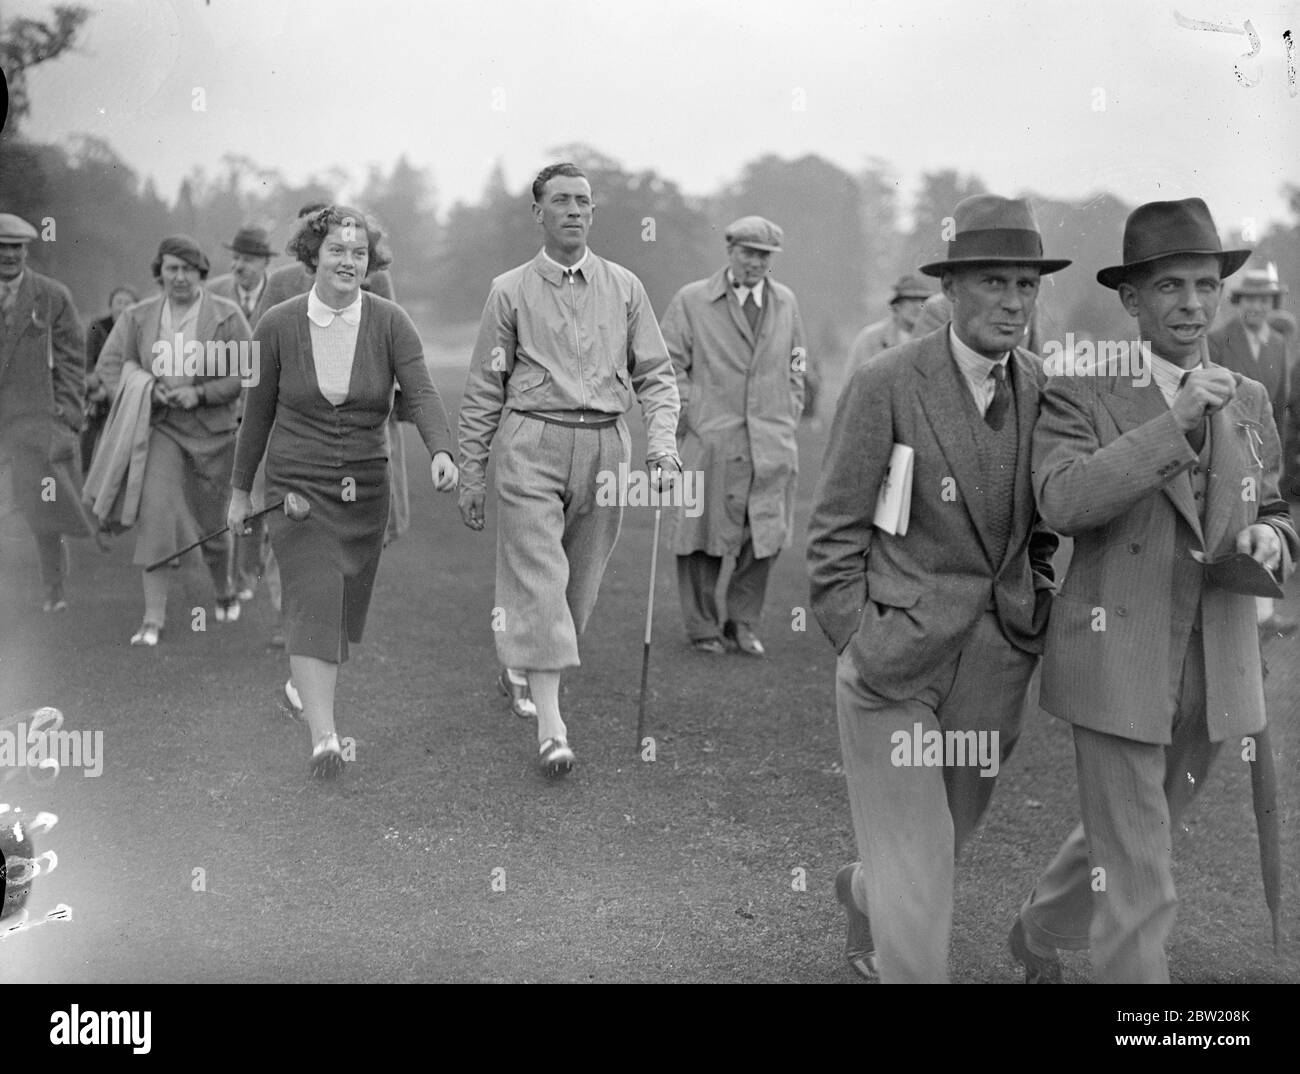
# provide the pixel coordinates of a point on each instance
(328, 560)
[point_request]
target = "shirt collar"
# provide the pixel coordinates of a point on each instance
(323, 316)
(16, 282)
(971, 361)
(1261, 334)
(252, 292)
(562, 269)
(1169, 375)
(741, 290)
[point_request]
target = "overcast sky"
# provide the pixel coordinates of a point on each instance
(1062, 98)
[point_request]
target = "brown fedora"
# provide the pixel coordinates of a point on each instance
(1162, 229)
(252, 241)
(994, 229)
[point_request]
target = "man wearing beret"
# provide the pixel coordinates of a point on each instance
(567, 341)
(42, 396)
(191, 445)
(1151, 656)
(910, 293)
(736, 341)
(1248, 345)
(939, 623)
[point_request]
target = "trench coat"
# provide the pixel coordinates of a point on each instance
(42, 392)
(741, 399)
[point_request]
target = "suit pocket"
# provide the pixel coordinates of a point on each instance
(891, 591)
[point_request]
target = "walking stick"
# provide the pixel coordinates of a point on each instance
(295, 507)
(649, 620)
(1263, 785)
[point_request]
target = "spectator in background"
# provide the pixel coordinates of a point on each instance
(42, 399)
(737, 345)
(192, 426)
(98, 400)
(1247, 344)
(910, 293)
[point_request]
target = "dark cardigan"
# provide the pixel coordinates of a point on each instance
(306, 425)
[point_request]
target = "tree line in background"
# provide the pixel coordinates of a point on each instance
(846, 239)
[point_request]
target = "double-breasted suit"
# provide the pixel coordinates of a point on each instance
(1152, 664)
(938, 629)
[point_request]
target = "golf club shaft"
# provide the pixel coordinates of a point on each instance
(212, 536)
(649, 622)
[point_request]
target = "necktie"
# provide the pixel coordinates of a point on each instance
(1196, 436)
(752, 312)
(7, 299)
(996, 413)
(246, 300)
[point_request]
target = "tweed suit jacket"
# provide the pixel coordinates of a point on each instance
(1111, 470)
(905, 604)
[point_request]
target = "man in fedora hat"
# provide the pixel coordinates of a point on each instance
(42, 395)
(1154, 664)
(910, 293)
(244, 284)
(736, 341)
(1247, 344)
(939, 625)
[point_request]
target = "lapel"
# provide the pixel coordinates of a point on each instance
(938, 392)
(1132, 406)
(1026, 388)
(19, 316)
(150, 324)
(1239, 345)
(1232, 431)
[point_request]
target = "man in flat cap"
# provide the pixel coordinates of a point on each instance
(244, 284)
(1151, 656)
(910, 293)
(192, 425)
(938, 623)
(1247, 344)
(42, 396)
(567, 341)
(737, 346)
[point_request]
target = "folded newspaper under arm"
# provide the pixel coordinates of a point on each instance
(894, 503)
(1239, 572)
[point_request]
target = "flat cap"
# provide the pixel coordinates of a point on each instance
(755, 232)
(16, 229)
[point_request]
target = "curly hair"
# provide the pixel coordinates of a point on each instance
(569, 171)
(312, 229)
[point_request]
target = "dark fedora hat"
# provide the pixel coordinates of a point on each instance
(1162, 229)
(994, 229)
(252, 241)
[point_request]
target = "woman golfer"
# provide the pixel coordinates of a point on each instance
(329, 360)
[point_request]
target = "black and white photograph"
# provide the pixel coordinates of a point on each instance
(686, 493)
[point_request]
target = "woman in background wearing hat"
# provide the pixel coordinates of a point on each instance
(329, 362)
(192, 427)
